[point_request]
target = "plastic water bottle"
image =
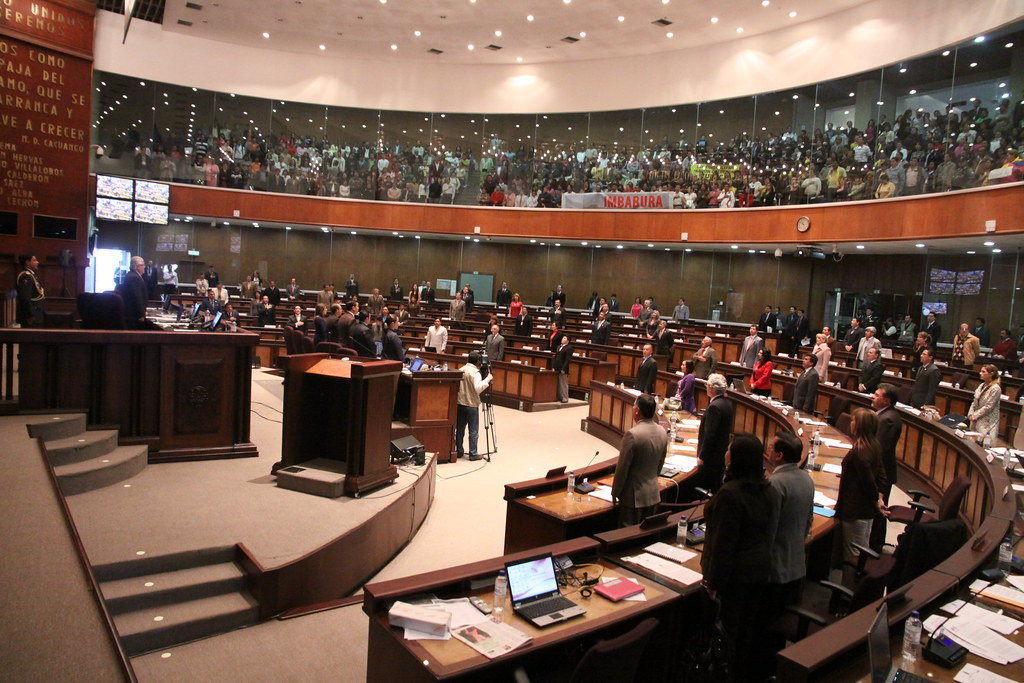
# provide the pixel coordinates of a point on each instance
(570, 483)
(501, 591)
(1005, 555)
(1007, 461)
(681, 530)
(912, 637)
(812, 456)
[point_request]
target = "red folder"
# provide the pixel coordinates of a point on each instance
(618, 588)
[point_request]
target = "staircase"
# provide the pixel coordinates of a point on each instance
(162, 601)
(159, 601)
(469, 192)
(86, 460)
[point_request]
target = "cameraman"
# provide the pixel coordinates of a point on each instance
(469, 399)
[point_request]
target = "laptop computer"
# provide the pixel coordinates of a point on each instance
(534, 591)
(415, 364)
(880, 652)
(212, 325)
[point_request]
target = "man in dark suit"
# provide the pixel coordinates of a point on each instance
(870, 372)
(427, 296)
(558, 295)
(613, 303)
(210, 306)
(504, 295)
(273, 293)
(890, 426)
(266, 312)
(801, 330)
(495, 344)
(558, 315)
(664, 339)
(396, 290)
(927, 381)
(767, 320)
(297, 320)
(712, 442)
(134, 293)
(646, 371)
(641, 457)
(524, 324)
(352, 286)
(391, 344)
(805, 393)
(212, 276)
(292, 291)
(853, 335)
(933, 328)
(602, 330)
(361, 339)
(332, 319)
(560, 364)
(152, 277)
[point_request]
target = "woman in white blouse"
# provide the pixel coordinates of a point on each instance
(822, 355)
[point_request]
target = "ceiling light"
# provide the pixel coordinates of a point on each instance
(945, 53)
(583, 34)
(618, 246)
(796, 97)
(533, 241)
(519, 59)
(529, 17)
(266, 35)
(393, 46)
(669, 34)
(974, 64)
(622, 18)
(417, 34)
(990, 244)
(852, 95)
(1008, 45)
(913, 92)
(649, 244)
(739, 29)
(498, 33)
(972, 252)
(567, 1)
(583, 244)
(323, 47)
(792, 15)
(919, 245)
(714, 20)
(735, 246)
(997, 251)
(860, 246)
(353, 233)
(980, 39)
(765, 3)
(470, 47)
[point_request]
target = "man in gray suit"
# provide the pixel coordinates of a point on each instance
(926, 383)
(868, 341)
(806, 391)
(705, 360)
(752, 344)
(870, 372)
(494, 344)
(641, 457)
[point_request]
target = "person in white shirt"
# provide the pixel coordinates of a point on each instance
(437, 336)
(222, 295)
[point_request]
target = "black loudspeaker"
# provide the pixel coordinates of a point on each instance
(66, 257)
(408, 448)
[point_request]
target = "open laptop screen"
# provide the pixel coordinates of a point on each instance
(216, 320)
(879, 650)
(531, 578)
(415, 364)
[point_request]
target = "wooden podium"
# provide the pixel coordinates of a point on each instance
(340, 410)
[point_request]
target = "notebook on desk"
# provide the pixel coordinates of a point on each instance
(880, 652)
(535, 595)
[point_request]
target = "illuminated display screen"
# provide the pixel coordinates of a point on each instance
(118, 188)
(113, 209)
(157, 193)
(936, 307)
(940, 275)
(151, 213)
(970, 276)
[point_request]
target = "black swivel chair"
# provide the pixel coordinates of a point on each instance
(616, 659)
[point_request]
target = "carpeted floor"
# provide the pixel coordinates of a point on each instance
(179, 505)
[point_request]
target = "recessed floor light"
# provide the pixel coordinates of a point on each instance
(393, 46)
(323, 47)
(622, 18)
(529, 17)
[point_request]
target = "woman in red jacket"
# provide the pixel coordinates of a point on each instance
(761, 382)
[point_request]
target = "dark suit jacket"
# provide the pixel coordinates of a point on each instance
(853, 337)
(563, 356)
(302, 318)
(395, 292)
(871, 375)
(890, 426)
(803, 328)
(925, 386)
(601, 334)
(645, 375)
(134, 292)
(806, 390)
(392, 347)
(767, 320)
(361, 339)
(555, 341)
(427, 295)
(663, 344)
(266, 314)
(503, 297)
(935, 330)
(713, 436)
(332, 328)
(524, 326)
(273, 294)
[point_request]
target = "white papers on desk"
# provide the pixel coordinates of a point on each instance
(1011, 596)
(812, 421)
(491, 637)
(997, 622)
(734, 362)
(692, 441)
(983, 641)
(634, 392)
(1018, 488)
(666, 568)
(972, 673)
(823, 500)
(683, 463)
(602, 493)
(832, 469)
(462, 611)
(836, 443)
(945, 384)
(690, 423)
(1016, 581)
(670, 552)
(682, 448)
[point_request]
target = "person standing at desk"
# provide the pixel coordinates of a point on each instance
(871, 370)
(391, 343)
(352, 286)
(602, 330)
(805, 393)
(736, 561)
(705, 360)
(860, 485)
(560, 364)
(646, 371)
(495, 344)
(524, 324)
(712, 442)
(469, 400)
(457, 310)
(134, 292)
(752, 344)
(641, 457)
(684, 392)
(437, 337)
(890, 426)
(927, 381)
(984, 410)
(30, 293)
(761, 381)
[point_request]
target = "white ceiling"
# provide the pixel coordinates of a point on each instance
(367, 29)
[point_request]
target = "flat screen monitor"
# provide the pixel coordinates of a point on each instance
(112, 186)
(415, 364)
(113, 209)
(936, 307)
(968, 289)
(942, 275)
(941, 287)
(8, 223)
(55, 227)
(156, 193)
(970, 277)
(151, 213)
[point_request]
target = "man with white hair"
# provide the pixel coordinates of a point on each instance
(868, 341)
(705, 360)
(712, 442)
(134, 292)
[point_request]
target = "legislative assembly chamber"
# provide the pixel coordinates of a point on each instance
(552, 340)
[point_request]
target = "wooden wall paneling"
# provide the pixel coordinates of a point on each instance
(527, 272)
(651, 279)
(438, 258)
(572, 268)
(613, 272)
(696, 267)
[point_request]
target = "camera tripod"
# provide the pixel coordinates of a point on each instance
(490, 433)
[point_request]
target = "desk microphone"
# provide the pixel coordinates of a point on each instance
(596, 453)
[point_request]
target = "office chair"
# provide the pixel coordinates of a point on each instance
(328, 347)
(616, 659)
(289, 339)
(101, 311)
(904, 394)
(959, 378)
(303, 344)
(799, 620)
(921, 548)
(788, 389)
(836, 407)
(948, 508)
(844, 423)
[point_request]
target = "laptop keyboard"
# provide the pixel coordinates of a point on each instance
(542, 607)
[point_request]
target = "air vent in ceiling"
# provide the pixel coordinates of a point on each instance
(184, 23)
(435, 51)
(494, 48)
(192, 5)
(570, 39)
(661, 22)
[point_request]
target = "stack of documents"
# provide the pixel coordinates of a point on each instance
(666, 568)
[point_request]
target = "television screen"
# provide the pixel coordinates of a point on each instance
(145, 191)
(55, 227)
(940, 275)
(111, 186)
(151, 213)
(113, 209)
(969, 288)
(970, 276)
(940, 287)
(8, 223)
(936, 307)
